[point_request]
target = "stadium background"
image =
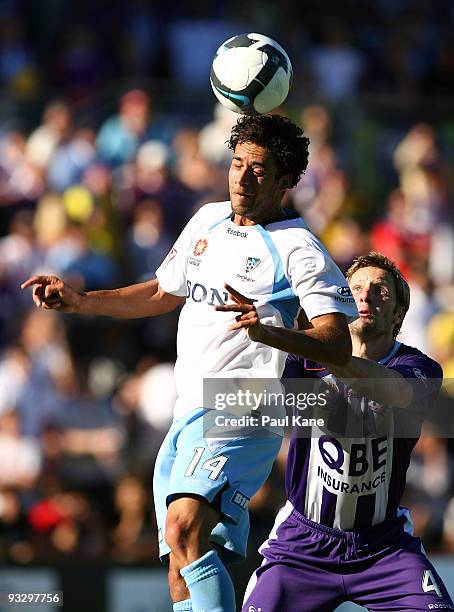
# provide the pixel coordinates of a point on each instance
(109, 140)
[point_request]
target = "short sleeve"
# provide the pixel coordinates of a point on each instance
(171, 274)
(425, 377)
(318, 282)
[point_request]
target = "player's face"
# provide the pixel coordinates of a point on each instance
(255, 189)
(375, 296)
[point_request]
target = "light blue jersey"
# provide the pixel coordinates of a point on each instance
(283, 268)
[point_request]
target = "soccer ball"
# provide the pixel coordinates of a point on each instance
(250, 74)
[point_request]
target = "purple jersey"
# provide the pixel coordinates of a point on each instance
(353, 483)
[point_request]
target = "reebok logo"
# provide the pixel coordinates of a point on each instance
(237, 233)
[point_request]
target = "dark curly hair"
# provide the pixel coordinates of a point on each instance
(279, 136)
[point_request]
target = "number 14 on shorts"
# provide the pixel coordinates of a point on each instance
(213, 465)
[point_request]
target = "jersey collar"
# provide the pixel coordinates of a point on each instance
(391, 353)
(289, 214)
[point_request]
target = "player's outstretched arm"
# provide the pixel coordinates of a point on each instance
(328, 338)
(379, 383)
(135, 301)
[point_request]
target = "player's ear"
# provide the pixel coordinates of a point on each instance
(285, 181)
(399, 314)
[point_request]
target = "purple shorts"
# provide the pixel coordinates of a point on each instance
(311, 568)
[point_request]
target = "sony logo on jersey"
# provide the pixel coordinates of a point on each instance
(199, 293)
(236, 233)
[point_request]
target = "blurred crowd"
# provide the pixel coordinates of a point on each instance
(98, 194)
(337, 49)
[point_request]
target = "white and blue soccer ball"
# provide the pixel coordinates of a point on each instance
(251, 73)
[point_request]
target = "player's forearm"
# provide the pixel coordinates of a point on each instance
(376, 382)
(132, 302)
(323, 343)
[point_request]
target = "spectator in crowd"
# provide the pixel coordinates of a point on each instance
(429, 482)
(153, 178)
(20, 182)
(336, 65)
(20, 456)
(148, 242)
(121, 135)
(54, 130)
(19, 73)
(65, 526)
(70, 160)
(132, 537)
(206, 181)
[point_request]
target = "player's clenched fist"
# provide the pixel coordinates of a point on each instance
(51, 293)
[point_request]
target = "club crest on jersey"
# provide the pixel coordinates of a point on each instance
(200, 247)
(251, 264)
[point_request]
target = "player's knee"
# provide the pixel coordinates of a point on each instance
(188, 527)
(183, 537)
(177, 533)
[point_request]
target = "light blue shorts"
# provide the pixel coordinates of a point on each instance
(226, 472)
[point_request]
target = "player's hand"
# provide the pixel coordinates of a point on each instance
(248, 318)
(51, 293)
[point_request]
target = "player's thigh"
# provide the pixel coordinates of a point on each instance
(275, 587)
(190, 520)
